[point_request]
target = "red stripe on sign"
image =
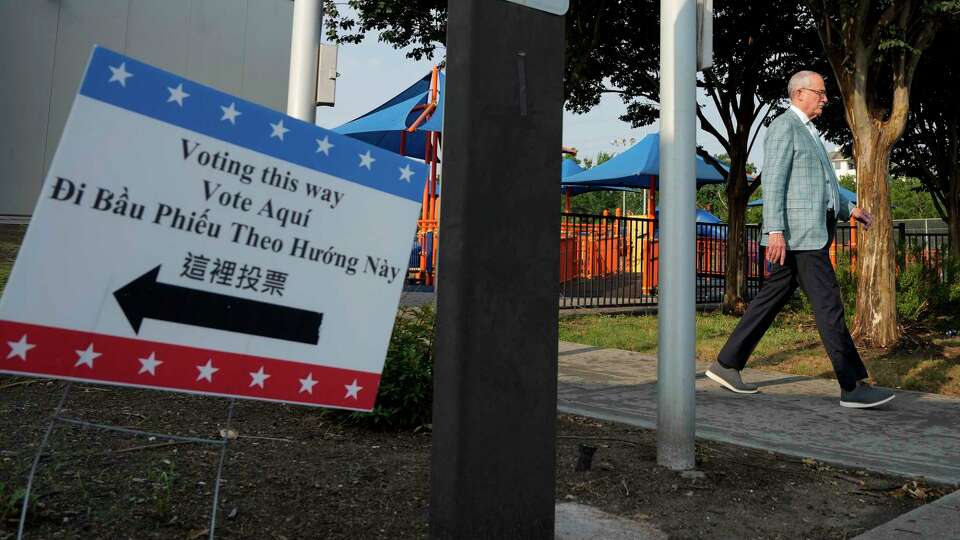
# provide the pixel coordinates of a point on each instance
(85, 356)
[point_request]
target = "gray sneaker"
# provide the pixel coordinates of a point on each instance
(730, 379)
(865, 396)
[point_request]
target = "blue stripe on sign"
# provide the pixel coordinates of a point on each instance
(149, 91)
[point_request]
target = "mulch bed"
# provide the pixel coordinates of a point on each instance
(293, 472)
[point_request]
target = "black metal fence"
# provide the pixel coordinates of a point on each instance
(613, 261)
(607, 261)
(928, 248)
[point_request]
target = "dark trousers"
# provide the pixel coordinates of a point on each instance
(812, 271)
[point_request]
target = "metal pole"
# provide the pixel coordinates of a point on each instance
(304, 51)
(676, 362)
(495, 384)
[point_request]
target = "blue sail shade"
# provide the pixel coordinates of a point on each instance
(704, 221)
(570, 168)
(383, 125)
(635, 167)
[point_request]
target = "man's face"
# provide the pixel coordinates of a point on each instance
(811, 98)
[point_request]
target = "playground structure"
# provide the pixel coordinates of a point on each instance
(410, 124)
(427, 243)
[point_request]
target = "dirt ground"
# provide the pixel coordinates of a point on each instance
(294, 472)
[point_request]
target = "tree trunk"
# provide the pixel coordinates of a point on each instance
(734, 288)
(876, 317)
(738, 192)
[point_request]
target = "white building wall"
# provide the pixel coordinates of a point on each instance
(238, 46)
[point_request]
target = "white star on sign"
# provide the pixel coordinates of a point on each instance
(405, 173)
(149, 364)
(278, 130)
(323, 145)
(230, 113)
(20, 348)
(352, 390)
(306, 385)
(86, 357)
(366, 160)
(207, 371)
(120, 74)
(177, 94)
(259, 377)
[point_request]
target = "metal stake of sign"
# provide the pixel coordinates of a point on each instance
(676, 357)
(223, 456)
(56, 417)
(36, 460)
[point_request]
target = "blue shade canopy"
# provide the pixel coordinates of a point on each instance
(846, 193)
(383, 125)
(704, 221)
(635, 167)
(575, 190)
(569, 168)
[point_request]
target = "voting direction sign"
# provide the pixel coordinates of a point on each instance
(189, 240)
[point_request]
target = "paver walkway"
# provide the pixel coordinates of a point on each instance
(914, 435)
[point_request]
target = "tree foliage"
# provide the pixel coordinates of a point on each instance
(930, 147)
(420, 25)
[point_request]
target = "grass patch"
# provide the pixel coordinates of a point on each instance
(792, 345)
(639, 333)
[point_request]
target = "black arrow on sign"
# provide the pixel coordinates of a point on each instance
(146, 298)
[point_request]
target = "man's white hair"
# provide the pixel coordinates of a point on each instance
(800, 79)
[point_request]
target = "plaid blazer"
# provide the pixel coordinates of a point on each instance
(796, 174)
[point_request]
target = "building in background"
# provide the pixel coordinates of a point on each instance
(842, 165)
(238, 46)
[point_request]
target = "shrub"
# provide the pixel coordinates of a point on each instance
(924, 289)
(405, 397)
(848, 286)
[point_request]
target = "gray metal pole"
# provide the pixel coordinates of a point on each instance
(676, 363)
(304, 51)
(495, 381)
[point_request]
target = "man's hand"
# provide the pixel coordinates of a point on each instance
(776, 248)
(862, 216)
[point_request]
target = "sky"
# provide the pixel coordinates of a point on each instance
(372, 73)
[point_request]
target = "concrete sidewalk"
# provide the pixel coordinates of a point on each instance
(915, 435)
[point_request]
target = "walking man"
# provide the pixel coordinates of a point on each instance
(801, 205)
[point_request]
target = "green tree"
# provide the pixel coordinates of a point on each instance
(873, 47)
(713, 197)
(930, 147)
(909, 200)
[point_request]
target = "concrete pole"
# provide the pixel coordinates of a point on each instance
(676, 364)
(304, 51)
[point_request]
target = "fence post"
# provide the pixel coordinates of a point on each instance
(902, 247)
(762, 261)
(853, 244)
